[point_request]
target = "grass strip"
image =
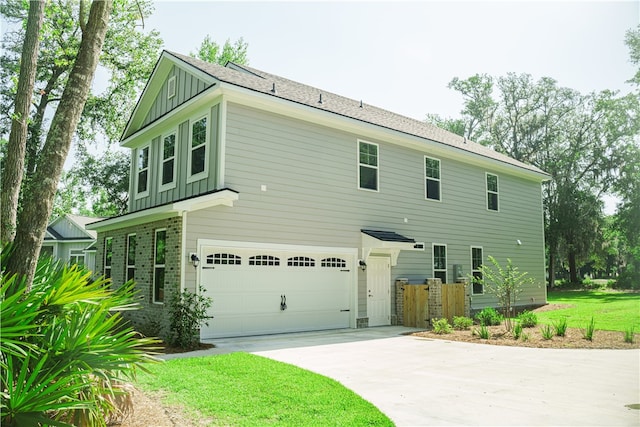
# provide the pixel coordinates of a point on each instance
(241, 389)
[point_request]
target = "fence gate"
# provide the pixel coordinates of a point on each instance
(416, 306)
(452, 300)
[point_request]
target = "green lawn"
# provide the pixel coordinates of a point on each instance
(241, 389)
(612, 311)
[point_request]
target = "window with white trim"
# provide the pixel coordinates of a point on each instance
(167, 168)
(198, 150)
(476, 272)
(440, 262)
(301, 261)
(131, 256)
(171, 87)
(76, 256)
(159, 266)
(108, 256)
(269, 260)
(492, 192)
(223, 259)
(142, 173)
(368, 166)
(431, 178)
(333, 263)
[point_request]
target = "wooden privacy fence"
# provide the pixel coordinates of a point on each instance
(418, 305)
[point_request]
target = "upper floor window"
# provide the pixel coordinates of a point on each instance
(492, 192)
(476, 272)
(368, 165)
(198, 150)
(432, 178)
(160, 248)
(131, 256)
(440, 262)
(143, 171)
(167, 170)
(108, 254)
(171, 87)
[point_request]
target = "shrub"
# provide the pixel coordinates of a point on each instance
(525, 336)
(442, 326)
(462, 323)
(560, 327)
(589, 330)
(482, 332)
(489, 317)
(629, 334)
(517, 330)
(528, 319)
(66, 348)
(547, 332)
(187, 313)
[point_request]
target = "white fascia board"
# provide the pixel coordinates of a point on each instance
(276, 246)
(364, 129)
(224, 197)
(371, 245)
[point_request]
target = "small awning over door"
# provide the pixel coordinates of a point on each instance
(387, 242)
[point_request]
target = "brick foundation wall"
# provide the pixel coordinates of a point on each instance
(152, 318)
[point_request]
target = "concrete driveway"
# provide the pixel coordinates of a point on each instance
(418, 382)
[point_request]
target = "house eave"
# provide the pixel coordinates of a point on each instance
(224, 197)
(391, 248)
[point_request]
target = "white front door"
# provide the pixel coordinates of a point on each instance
(378, 291)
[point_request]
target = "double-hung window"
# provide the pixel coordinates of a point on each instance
(76, 257)
(440, 262)
(368, 165)
(198, 150)
(168, 169)
(476, 272)
(108, 255)
(431, 178)
(131, 256)
(492, 192)
(142, 186)
(160, 246)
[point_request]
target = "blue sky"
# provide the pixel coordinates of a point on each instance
(401, 55)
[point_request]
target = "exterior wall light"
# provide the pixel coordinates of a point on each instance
(363, 265)
(194, 260)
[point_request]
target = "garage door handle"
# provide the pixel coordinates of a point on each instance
(342, 311)
(208, 268)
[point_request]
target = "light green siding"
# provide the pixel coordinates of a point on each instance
(312, 198)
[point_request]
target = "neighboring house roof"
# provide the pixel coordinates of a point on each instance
(71, 227)
(276, 86)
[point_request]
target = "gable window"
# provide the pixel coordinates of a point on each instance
(368, 178)
(142, 188)
(440, 262)
(160, 247)
(492, 192)
(76, 257)
(167, 170)
(108, 255)
(198, 150)
(171, 87)
(476, 263)
(432, 178)
(131, 256)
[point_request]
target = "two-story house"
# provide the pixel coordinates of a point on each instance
(297, 209)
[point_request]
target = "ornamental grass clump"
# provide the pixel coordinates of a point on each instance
(547, 332)
(589, 329)
(483, 332)
(560, 327)
(629, 335)
(517, 330)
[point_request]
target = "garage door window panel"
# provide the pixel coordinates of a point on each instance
(267, 260)
(224, 259)
(301, 261)
(333, 263)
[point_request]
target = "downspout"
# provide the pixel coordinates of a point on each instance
(222, 137)
(183, 251)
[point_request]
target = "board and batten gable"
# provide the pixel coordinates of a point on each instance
(298, 183)
(184, 187)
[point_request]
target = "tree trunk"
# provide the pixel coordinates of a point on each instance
(552, 269)
(37, 205)
(13, 165)
(573, 271)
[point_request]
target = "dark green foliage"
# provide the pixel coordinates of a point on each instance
(187, 313)
(489, 317)
(560, 327)
(517, 330)
(66, 350)
(528, 319)
(482, 332)
(629, 334)
(547, 332)
(589, 329)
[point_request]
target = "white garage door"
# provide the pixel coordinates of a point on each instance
(265, 291)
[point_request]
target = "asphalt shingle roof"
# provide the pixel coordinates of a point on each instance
(272, 85)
